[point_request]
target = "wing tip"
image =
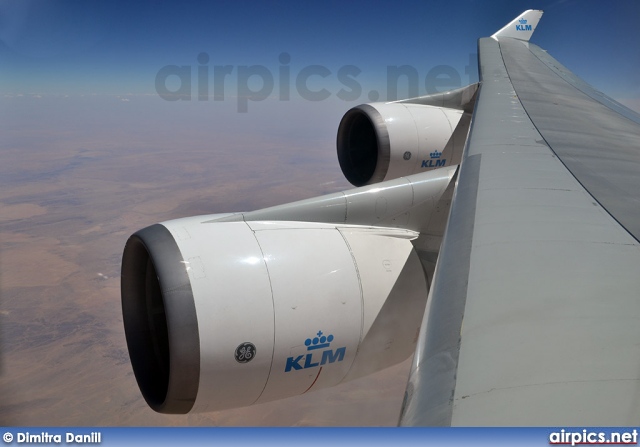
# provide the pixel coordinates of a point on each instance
(522, 27)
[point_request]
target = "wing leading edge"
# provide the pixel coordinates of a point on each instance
(532, 315)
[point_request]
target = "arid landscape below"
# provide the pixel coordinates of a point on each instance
(77, 177)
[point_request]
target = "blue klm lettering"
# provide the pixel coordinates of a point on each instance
(431, 164)
(315, 344)
(328, 356)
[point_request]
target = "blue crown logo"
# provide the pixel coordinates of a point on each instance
(523, 21)
(435, 154)
(319, 342)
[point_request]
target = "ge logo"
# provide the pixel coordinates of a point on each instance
(407, 155)
(7, 437)
(245, 352)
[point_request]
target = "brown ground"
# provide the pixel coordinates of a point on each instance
(77, 177)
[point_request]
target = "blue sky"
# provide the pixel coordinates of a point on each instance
(116, 47)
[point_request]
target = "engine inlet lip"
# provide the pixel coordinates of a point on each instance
(358, 175)
(160, 322)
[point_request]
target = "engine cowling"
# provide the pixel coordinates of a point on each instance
(222, 315)
(383, 141)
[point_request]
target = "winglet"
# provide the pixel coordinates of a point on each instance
(522, 27)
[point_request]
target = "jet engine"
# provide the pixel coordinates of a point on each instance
(224, 311)
(226, 314)
(384, 141)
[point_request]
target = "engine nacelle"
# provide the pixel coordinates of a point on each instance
(222, 315)
(383, 141)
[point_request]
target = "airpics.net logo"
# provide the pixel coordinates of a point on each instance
(208, 80)
(591, 437)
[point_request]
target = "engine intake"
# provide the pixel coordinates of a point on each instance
(160, 320)
(383, 141)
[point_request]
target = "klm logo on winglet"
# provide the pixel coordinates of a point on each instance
(316, 357)
(523, 25)
(434, 160)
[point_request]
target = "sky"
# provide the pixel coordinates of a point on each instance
(73, 47)
(115, 115)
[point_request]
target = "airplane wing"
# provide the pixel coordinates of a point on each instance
(532, 317)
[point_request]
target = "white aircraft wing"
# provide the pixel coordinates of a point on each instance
(533, 314)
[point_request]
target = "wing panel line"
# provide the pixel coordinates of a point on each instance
(604, 189)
